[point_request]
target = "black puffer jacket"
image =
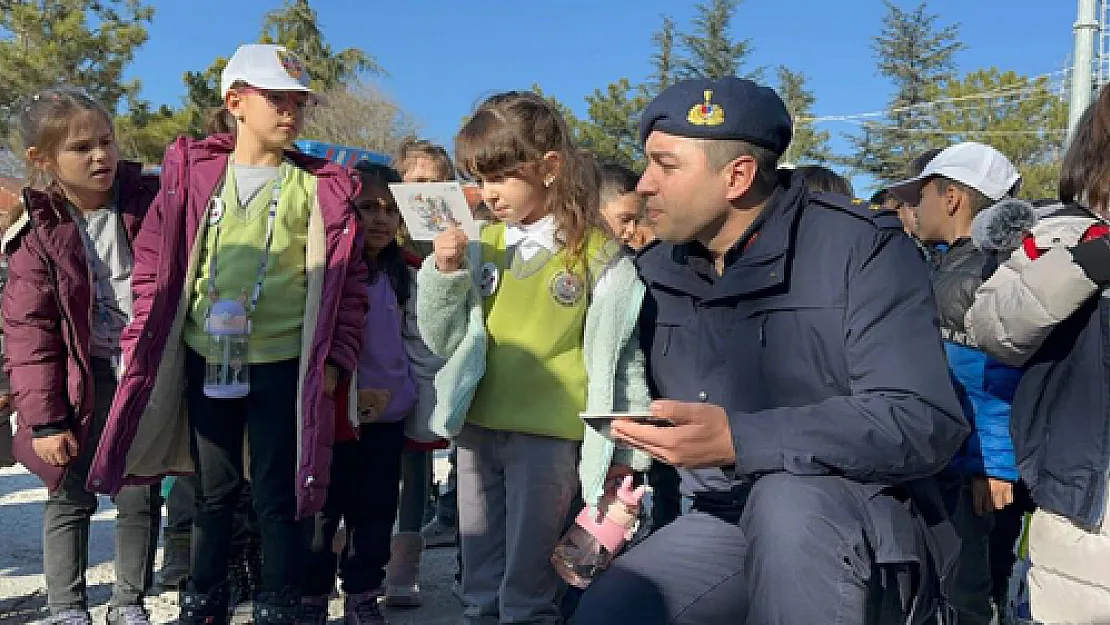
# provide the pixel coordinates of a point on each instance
(957, 274)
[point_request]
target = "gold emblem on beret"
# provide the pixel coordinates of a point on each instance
(706, 113)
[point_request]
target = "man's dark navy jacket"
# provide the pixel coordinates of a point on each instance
(820, 340)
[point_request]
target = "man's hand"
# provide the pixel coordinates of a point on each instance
(5, 400)
(331, 380)
(449, 249)
(989, 494)
(699, 438)
(56, 450)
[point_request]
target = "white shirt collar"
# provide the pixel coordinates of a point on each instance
(532, 237)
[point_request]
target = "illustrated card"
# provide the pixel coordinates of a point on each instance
(429, 208)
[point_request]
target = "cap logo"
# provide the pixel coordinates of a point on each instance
(293, 65)
(706, 113)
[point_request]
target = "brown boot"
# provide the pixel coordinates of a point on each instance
(402, 574)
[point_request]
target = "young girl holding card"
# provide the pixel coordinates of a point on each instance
(67, 298)
(250, 298)
(546, 307)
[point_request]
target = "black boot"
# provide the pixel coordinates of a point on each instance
(204, 609)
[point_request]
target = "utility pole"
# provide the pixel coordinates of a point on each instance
(1082, 74)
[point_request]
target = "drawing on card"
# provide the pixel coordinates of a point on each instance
(429, 208)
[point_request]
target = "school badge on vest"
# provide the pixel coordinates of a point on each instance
(567, 288)
(707, 113)
(215, 211)
(488, 279)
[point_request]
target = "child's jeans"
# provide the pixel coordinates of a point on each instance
(365, 482)
(515, 492)
(67, 517)
(267, 416)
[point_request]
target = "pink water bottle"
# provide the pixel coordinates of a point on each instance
(597, 537)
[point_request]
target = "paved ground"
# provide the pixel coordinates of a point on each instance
(23, 596)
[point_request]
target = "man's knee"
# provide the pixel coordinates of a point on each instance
(811, 517)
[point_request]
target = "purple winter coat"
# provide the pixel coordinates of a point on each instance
(147, 435)
(47, 311)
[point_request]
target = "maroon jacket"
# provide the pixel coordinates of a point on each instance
(191, 172)
(47, 311)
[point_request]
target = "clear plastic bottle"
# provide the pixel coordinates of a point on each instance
(590, 546)
(226, 374)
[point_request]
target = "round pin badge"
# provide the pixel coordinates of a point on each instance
(215, 211)
(567, 288)
(488, 279)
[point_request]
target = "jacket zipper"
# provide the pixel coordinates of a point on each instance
(52, 272)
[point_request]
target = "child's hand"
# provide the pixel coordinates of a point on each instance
(450, 249)
(56, 450)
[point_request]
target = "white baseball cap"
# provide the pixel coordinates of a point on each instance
(265, 66)
(978, 166)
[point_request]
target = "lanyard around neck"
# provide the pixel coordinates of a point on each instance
(216, 214)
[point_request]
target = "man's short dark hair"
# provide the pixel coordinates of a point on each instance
(721, 152)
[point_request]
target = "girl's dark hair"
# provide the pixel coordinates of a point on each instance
(819, 178)
(42, 122)
(1085, 170)
(391, 260)
(510, 133)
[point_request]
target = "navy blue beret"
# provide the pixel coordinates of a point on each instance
(724, 108)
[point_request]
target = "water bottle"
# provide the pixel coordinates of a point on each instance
(590, 546)
(226, 370)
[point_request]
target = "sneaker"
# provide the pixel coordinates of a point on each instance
(362, 609)
(70, 617)
(438, 534)
(128, 615)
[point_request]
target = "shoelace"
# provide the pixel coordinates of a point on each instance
(131, 615)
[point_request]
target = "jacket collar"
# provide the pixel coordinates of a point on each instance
(210, 156)
(762, 265)
(48, 209)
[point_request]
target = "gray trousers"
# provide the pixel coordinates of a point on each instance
(797, 555)
(67, 516)
(514, 494)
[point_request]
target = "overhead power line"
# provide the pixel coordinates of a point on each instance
(1004, 92)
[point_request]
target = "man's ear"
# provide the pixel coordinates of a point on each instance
(954, 198)
(740, 176)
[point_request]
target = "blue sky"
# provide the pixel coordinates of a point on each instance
(444, 56)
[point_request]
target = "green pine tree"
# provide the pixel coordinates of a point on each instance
(808, 145)
(915, 54)
(80, 43)
(710, 50)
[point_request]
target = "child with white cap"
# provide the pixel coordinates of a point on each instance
(956, 185)
(249, 306)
